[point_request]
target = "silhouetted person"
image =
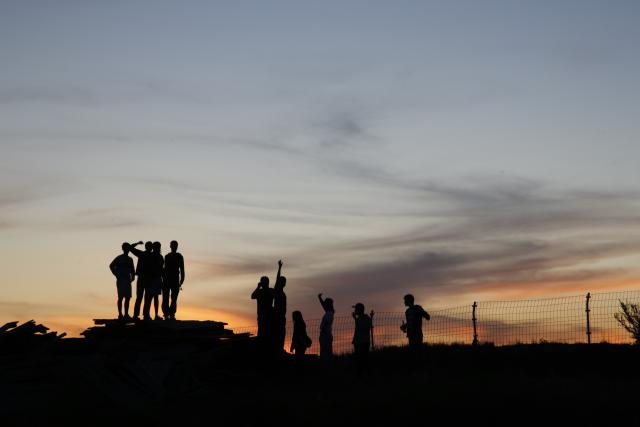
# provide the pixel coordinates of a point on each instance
(122, 268)
(142, 271)
(361, 337)
(263, 295)
(326, 330)
(413, 326)
(155, 265)
(173, 280)
(279, 311)
(300, 340)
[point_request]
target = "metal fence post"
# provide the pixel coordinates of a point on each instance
(475, 328)
(588, 311)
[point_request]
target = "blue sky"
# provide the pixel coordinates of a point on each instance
(457, 150)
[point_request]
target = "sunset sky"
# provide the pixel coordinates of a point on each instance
(459, 150)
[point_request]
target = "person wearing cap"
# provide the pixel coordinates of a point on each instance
(122, 268)
(361, 337)
(413, 326)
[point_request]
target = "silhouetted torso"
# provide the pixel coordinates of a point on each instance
(173, 264)
(154, 265)
(264, 298)
(300, 340)
(122, 267)
(326, 325)
(145, 264)
(362, 333)
(414, 315)
(279, 303)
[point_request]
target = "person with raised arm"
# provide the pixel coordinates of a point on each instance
(326, 330)
(279, 311)
(413, 325)
(122, 268)
(155, 264)
(142, 271)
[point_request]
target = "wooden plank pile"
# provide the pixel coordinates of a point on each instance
(166, 334)
(115, 363)
(26, 337)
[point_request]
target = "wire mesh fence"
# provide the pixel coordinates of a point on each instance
(572, 319)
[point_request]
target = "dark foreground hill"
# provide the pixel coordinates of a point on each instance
(199, 373)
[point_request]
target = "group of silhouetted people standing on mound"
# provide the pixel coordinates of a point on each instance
(157, 275)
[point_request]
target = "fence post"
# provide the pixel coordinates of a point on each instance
(588, 311)
(473, 318)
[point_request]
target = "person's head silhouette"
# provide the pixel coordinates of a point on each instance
(157, 247)
(281, 282)
(328, 304)
(264, 282)
(408, 300)
(148, 246)
(173, 245)
(358, 309)
(297, 316)
(125, 248)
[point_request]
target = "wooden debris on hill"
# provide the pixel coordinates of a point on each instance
(126, 364)
(165, 334)
(27, 336)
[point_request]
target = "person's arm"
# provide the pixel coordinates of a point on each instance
(279, 270)
(425, 314)
(136, 252)
(254, 294)
(181, 268)
(321, 300)
(132, 269)
(112, 266)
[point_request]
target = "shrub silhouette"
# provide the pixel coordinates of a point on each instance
(629, 318)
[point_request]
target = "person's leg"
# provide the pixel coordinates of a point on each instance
(357, 356)
(147, 301)
(119, 307)
(126, 307)
(139, 298)
(282, 332)
(165, 301)
(173, 308)
(155, 304)
(365, 357)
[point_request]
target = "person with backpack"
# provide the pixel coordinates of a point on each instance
(300, 341)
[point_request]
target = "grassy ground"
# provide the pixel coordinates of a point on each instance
(512, 385)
